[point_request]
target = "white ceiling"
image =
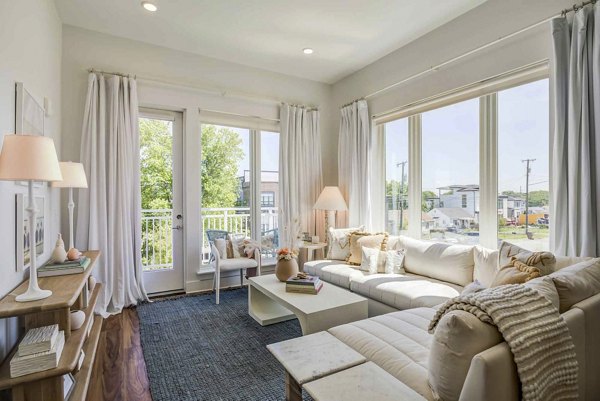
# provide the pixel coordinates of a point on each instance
(346, 35)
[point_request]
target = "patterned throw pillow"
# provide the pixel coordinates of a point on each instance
(394, 262)
(339, 242)
(373, 260)
(237, 243)
(544, 261)
(359, 239)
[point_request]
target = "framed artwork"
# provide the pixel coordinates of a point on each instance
(22, 230)
(29, 114)
(29, 118)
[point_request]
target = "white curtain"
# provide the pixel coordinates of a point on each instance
(576, 148)
(354, 162)
(109, 212)
(300, 172)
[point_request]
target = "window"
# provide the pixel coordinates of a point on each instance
(396, 172)
(267, 199)
(450, 169)
(449, 143)
(523, 165)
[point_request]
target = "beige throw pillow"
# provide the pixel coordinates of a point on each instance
(359, 239)
(458, 337)
(515, 272)
(237, 244)
(576, 283)
(544, 261)
(339, 242)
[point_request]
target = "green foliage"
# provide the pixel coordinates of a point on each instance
(501, 221)
(156, 163)
(536, 198)
(221, 154)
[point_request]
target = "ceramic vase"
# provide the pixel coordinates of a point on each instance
(286, 269)
(59, 255)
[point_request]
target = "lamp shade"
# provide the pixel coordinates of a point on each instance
(29, 158)
(73, 176)
(331, 199)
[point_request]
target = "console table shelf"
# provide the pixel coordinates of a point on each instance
(66, 294)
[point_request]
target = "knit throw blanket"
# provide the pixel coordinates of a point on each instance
(537, 335)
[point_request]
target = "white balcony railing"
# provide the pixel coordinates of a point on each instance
(157, 233)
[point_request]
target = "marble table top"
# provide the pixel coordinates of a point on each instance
(359, 383)
(313, 356)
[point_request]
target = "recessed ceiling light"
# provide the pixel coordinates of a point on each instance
(308, 50)
(149, 6)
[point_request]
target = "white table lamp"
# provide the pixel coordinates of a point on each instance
(30, 158)
(330, 200)
(73, 177)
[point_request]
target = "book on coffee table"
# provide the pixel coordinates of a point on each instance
(306, 285)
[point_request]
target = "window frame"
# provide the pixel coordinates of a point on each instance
(487, 93)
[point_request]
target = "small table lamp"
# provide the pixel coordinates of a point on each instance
(330, 200)
(73, 177)
(30, 158)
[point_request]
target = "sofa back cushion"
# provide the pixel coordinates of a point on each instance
(458, 337)
(451, 263)
(577, 282)
(486, 265)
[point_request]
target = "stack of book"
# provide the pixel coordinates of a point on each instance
(39, 350)
(67, 267)
(304, 284)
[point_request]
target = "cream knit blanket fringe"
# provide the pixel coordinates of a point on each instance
(537, 335)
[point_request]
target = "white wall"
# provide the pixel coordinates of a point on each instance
(83, 49)
(491, 20)
(30, 52)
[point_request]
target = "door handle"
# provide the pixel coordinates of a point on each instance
(178, 227)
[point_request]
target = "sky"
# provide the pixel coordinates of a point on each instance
(450, 141)
(269, 151)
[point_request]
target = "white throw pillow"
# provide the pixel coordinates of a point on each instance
(371, 260)
(221, 245)
(486, 265)
(339, 242)
(451, 263)
(458, 337)
(576, 283)
(394, 262)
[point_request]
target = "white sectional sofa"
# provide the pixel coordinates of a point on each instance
(401, 306)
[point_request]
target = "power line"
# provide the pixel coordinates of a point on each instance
(527, 172)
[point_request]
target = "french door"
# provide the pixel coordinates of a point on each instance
(161, 178)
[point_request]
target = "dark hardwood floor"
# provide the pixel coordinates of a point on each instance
(119, 372)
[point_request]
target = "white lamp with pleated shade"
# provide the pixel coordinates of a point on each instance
(30, 158)
(330, 200)
(73, 177)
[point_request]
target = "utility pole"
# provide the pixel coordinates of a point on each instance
(528, 171)
(401, 194)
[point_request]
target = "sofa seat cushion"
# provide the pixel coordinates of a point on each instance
(397, 342)
(404, 291)
(333, 271)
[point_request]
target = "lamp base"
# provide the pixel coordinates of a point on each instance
(33, 295)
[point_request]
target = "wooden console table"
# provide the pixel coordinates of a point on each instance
(66, 296)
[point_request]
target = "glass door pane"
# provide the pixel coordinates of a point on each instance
(226, 182)
(396, 176)
(450, 143)
(269, 195)
(523, 141)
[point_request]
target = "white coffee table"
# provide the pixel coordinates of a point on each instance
(269, 303)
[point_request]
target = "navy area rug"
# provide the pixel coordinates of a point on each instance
(198, 351)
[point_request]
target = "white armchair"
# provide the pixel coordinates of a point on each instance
(240, 264)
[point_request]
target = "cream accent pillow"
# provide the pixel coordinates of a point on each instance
(372, 259)
(451, 263)
(545, 261)
(545, 286)
(577, 282)
(394, 262)
(360, 239)
(221, 245)
(339, 242)
(486, 265)
(458, 337)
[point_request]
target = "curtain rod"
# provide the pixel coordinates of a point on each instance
(472, 51)
(120, 74)
(239, 115)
